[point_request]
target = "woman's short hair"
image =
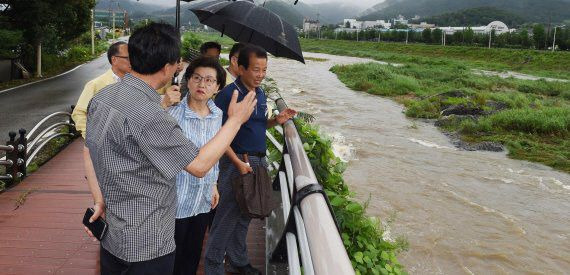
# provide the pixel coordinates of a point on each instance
(207, 62)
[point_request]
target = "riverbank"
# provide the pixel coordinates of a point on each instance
(529, 117)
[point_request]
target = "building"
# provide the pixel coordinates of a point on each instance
(422, 25)
(354, 25)
(498, 26)
(310, 25)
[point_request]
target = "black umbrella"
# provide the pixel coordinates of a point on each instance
(246, 22)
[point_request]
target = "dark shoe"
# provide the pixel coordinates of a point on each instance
(248, 270)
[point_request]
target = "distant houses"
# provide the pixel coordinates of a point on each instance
(353, 25)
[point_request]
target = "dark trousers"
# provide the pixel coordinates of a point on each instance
(229, 229)
(189, 235)
(111, 265)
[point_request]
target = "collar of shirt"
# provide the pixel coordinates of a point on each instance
(142, 86)
(115, 77)
(230, 74)
(241, 87)
(190, 114)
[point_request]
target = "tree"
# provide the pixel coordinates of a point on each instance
(400, 26)
(539, 36)
(469, 36)
(437, 35)
(426, 35)
(347, 25)
(39, 19)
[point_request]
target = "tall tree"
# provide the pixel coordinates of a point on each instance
(539, 36)
(38, 19)
(426, 35)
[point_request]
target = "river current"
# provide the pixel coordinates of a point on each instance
(462, 212)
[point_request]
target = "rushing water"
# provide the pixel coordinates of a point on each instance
(462, 212)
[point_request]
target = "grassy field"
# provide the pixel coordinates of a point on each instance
(540, 63)
(531, 118)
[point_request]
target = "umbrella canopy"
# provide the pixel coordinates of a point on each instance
(246, 22)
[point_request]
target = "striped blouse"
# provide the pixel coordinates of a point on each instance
(195, 194)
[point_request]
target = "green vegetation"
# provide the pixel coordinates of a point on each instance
(79, 52)
(56, 29)
(50, 150)
(532, 118)
(362, 236)
(538, 63)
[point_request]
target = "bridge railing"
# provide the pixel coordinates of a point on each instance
(21, 152)
(303, 231)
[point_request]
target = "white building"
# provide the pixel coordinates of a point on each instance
(310, 25)
(498, 26)
(353, 24)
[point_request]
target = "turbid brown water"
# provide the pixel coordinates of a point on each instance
(462, 212)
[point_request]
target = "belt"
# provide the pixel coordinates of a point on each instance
(255, 154)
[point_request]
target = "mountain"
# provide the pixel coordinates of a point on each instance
(327, 13)
(286, 12)
(138, 11)
(476, 17)
(531, 10)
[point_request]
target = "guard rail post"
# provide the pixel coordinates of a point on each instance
(21, 149)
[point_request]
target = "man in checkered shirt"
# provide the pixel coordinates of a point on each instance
(134, 150)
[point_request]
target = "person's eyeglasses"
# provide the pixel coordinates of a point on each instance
(125, 57)
(196, 78)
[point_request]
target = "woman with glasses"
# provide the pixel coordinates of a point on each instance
(200, 120)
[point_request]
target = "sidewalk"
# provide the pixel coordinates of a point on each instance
(44, 235)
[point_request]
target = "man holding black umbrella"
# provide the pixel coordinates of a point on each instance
(229, 228)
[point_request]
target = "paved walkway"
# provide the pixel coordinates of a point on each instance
(40, 222)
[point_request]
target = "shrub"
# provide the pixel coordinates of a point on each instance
(190, 41)
(545, 121)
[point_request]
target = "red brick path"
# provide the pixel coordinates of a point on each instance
(45, 236)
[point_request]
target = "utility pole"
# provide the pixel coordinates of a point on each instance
(356, 35)
(39, 60)
(92, 33)
(490, 34)
(378, 36)
(318, 25)
(113, 24)
(407, 31)
(554, 39)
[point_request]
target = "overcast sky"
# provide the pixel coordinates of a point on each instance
(362, 3)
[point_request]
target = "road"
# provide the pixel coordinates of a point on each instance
(23, 107)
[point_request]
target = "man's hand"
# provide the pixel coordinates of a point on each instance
(241, 111)
(171, 96)
(99, 208)
(244, 168)
(215, 197)
(285, 115)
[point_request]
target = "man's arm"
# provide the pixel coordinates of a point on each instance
(238, 113)
(242, 167)
(99, 204)
(79, 114)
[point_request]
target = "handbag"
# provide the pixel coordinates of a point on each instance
(254, 192)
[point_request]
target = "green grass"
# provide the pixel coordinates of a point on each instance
(540, 63)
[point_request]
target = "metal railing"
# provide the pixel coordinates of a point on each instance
(21, 152)
(302, 232)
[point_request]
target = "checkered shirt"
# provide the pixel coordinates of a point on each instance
(137, 150)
